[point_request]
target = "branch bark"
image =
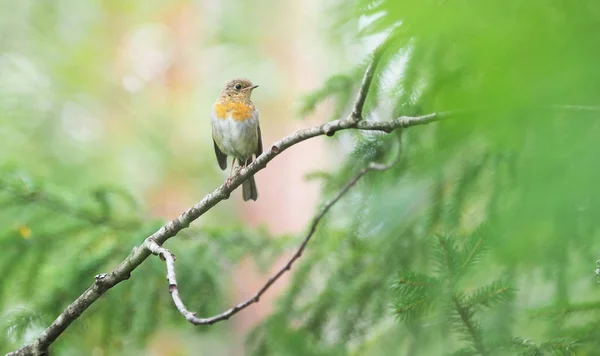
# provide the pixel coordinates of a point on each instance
(153, 243)
(122, 272)
(365, 86)
(169, 259)
(105, 282)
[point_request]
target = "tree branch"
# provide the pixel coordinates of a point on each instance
(106, 281)
(471, 328)
(365, 86)
(169, 259)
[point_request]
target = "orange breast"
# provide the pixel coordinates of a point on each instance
(238, 111)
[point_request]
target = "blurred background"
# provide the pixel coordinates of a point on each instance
(110, 101)
(482, 240)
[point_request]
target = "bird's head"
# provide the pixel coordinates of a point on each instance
(238, 89)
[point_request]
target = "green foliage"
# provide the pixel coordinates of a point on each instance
(49, 227)
(340, 87)
(446, 297)
(481, 240)
(84, 162)
(490, 215)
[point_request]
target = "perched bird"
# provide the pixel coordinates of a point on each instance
(236, 130)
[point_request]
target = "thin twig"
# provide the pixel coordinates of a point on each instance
(365, 86)
(169, 259)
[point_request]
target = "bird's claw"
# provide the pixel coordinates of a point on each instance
(234, 172)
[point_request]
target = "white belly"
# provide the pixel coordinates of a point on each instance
(236, 138)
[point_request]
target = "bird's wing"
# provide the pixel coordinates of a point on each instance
(259, 149)
(221, 157)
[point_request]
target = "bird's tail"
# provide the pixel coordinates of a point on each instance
(249, 187)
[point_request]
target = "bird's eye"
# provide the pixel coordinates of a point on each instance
(238, 86)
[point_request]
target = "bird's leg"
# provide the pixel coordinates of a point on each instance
(228, 180)
(232, 165)
(240, 166)
(245, 163)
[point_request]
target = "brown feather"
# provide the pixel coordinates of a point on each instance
(221, 157)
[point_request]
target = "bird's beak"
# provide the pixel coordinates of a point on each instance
(253, 87)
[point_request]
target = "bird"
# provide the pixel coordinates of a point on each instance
(236, 130)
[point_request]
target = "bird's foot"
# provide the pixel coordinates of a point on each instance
(228, 182)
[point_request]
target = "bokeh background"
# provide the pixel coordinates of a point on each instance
(482, 240)
(113, 99)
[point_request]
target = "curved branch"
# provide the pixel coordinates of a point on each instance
(106, 281)
(169, 259)
(365, 86)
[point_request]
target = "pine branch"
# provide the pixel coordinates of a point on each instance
(447, 258)
(25, 195)
(469, 325)
(555, 346)
(169, 259)
(584, 307)
(491, 294)
(472, 254)
(416, 292)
